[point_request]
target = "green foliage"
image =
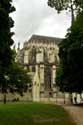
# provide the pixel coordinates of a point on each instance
(6, 41)
(60, 5)
(16, 79)
(12, 76)
(19, 80)
(70, 70)
(71, 54)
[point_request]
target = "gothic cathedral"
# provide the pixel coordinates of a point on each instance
(40, 57)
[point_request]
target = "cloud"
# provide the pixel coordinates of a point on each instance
(35, 17)
(54, 25)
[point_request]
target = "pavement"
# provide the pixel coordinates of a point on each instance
(75, 111)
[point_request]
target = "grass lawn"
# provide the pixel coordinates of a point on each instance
(33, 114)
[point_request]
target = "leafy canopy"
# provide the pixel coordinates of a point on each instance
(70, 72)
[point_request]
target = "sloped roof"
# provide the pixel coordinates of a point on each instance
(44, 39)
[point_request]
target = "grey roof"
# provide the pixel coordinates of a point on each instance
(44, 39)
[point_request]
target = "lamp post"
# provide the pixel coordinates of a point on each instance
(5, 87)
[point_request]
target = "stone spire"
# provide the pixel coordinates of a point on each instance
(18, 46)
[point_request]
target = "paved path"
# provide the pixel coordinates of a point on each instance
(76, 112)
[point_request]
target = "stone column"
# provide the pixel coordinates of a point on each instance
(40, 56)
(53, 80)
(42, 80)
(36, 86)
(26, 61)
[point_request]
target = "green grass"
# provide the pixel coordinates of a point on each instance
(33, 114)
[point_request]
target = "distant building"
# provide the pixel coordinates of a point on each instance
(40, 57)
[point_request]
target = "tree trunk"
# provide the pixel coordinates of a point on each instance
(64, 98)
(72, 15)
(71, 99)
(4, 98)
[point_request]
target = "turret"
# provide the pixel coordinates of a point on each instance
(18, 46)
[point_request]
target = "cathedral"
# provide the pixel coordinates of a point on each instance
(39, 56)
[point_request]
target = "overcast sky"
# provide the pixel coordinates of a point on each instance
(35, 17)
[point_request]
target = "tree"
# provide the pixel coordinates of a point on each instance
(71, 5)
(60, 5)
(6, 41)
(16, 80)
(69, 73)
(19, 78)
(70, 50)
(12, 76)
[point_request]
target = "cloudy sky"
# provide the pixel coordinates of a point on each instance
(35, 17)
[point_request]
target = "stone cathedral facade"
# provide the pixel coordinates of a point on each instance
(40, 57)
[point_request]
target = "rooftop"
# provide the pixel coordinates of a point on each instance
(44, 39)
